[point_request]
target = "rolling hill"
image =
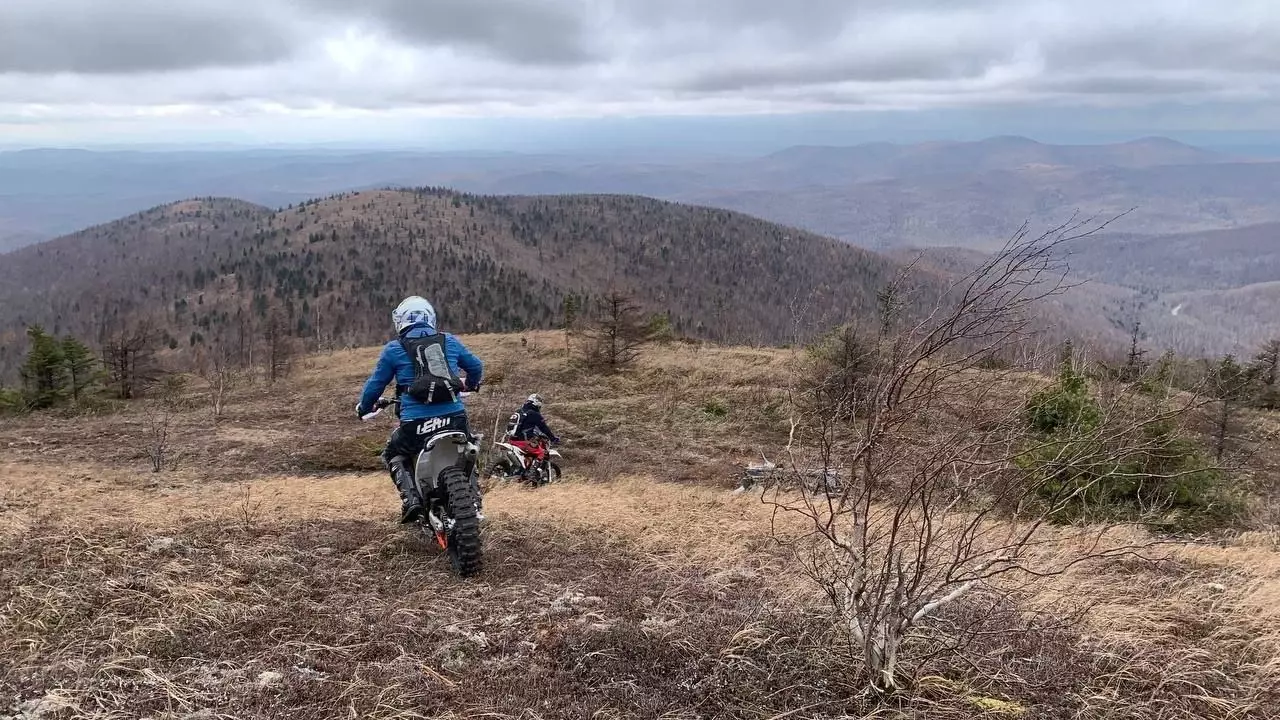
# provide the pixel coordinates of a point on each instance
(1181, 262)
(1201, 293)
(215, 271)
(1210, 292)
(876, 195)
(981, 209)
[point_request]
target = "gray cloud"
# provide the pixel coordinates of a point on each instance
(1140, 86)
(801, 18)
(802, 73)
(550, 32)
(1206, 37)
(1246, 48)
(218, 59)
(131, 36)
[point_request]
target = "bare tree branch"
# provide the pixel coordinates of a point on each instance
(944, 485)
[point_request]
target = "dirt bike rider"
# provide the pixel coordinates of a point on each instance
(427, 390)
(526, 426)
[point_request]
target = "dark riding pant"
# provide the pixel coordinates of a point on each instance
(411, 436)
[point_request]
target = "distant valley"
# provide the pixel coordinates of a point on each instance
(1198, 232)
(876, 196)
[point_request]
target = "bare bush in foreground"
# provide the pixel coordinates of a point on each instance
(156, 440)
(956, 478)
(221, 376)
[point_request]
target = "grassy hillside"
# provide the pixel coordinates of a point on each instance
(211, 272)
(265, 575)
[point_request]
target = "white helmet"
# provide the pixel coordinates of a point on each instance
(412, 311)
(535, 400)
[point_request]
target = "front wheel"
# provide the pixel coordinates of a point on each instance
(462, 540)
(545, 474)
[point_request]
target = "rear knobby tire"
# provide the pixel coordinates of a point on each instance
(463, 546)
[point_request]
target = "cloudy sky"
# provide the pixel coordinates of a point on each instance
(468, 71)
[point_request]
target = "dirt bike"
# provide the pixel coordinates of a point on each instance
(512, 460)
(445, 473)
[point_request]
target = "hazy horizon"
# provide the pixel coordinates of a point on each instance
(681, 140)
(565, 75)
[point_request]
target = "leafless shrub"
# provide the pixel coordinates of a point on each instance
(248, 510)
(221, 377)
(608, 466)
(946, 487)
(158, 431)
(128, 352)
(156, 439)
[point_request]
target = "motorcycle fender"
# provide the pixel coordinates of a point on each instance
(443, 452)
(556, 453)
(512, 453)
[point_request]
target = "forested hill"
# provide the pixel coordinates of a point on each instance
(213, 271)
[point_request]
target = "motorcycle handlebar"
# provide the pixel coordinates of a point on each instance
(383, 403)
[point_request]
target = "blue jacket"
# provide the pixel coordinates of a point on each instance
(394, 364)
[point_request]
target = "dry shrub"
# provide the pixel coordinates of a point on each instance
(597, 597)
(156, 438)
(609, 466)
(318, 584)
(938, 497)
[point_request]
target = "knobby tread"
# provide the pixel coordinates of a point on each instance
(464, 542)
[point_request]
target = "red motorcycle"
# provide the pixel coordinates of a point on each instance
(534, 460)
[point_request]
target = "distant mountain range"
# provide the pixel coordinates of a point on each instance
(877, 195)
(1197, 235)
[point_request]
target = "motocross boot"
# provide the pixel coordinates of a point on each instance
(410, 500)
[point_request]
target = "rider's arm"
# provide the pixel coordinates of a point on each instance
(384, 372)
(542, 428)
(468, 363)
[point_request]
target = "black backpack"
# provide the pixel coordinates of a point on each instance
(513, 422)
(434, 382)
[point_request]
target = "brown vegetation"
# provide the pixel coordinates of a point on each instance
(213, 273)
(253, 582)
(936, 487)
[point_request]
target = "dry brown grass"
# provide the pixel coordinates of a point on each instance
(145, 613)
(658, 593)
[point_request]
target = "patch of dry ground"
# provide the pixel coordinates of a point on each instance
(265, 577)
(301, 598)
